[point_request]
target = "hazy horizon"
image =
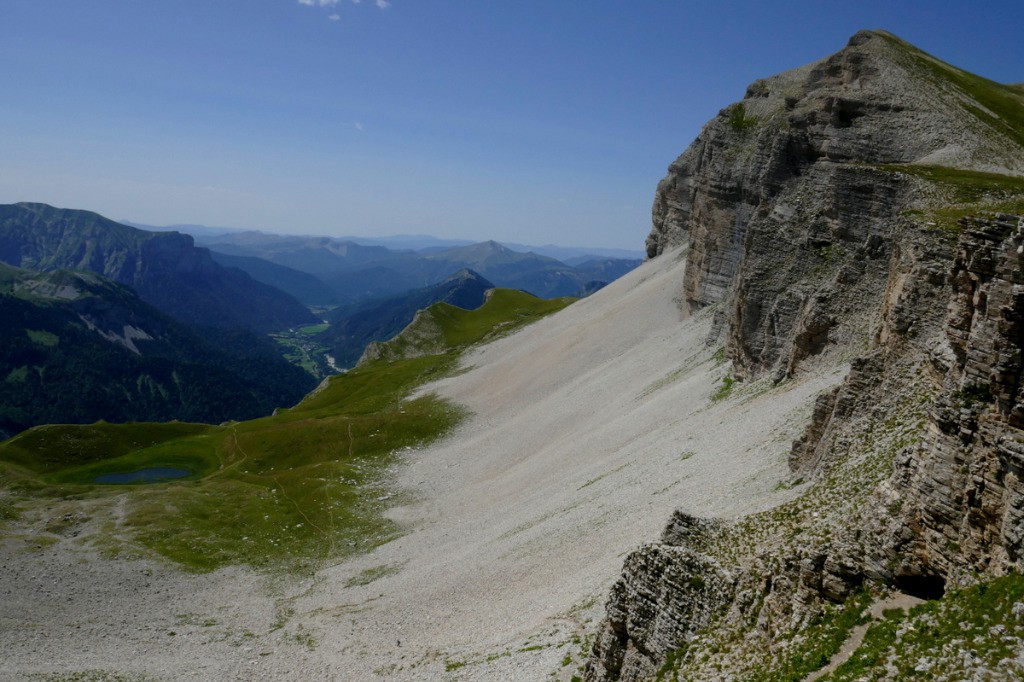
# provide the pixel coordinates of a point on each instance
(212, 231)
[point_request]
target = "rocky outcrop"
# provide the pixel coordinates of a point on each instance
(808, 241)
(961, 491)
(785, 203)
(667, 593)
(422, 336)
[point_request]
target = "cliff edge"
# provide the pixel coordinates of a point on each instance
(864, 209)
(810, 175)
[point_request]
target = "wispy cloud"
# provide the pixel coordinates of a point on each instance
(358, 126)
(332, 5)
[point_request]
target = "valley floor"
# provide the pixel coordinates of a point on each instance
(589, 428)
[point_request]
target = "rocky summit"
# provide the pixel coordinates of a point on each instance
(828, 218)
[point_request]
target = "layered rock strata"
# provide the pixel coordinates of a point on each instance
(943, 416)
(789, 184)
(809, 242)
(961, 491)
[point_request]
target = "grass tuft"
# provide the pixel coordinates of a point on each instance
(725, 390)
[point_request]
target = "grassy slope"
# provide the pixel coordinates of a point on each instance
(961, 192)
(448, 326)
(998, 106)
(974, 633)
(284, 491)
(1000, 109)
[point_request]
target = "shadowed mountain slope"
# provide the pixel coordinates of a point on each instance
(77, 348)
(304, 287)
(166, 269)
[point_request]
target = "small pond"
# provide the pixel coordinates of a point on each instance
(150, 475)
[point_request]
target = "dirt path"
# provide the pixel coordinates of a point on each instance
(876, 612)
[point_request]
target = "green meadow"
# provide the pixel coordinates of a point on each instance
(287, 491)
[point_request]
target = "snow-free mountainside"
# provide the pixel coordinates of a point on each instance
(580, 443)
(786, 447)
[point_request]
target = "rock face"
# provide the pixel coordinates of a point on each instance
(667, 593)
(814, 213)
(787, 183)
(422, 336)
(962, 489)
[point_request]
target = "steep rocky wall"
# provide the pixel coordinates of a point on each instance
(956, 495)
(784, 202)
(811, 247)
(918, 459)
(668, 592)
(961, 491)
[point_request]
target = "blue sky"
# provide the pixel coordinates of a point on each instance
(528, 121)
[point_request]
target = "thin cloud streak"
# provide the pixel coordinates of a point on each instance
(332, 4)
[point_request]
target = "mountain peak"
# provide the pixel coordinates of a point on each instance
(468, 275)
(476, 254)
(877, 101)
(490, 246)
(860, 37)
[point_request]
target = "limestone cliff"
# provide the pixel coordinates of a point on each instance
(823, 215)
(795, 182)
(960, 491)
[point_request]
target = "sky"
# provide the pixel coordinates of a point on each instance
(538, 122)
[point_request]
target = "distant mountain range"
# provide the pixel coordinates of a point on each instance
(76, 348)
(166, 269)
(103, 320)
(305, 287)
(411, 242)
(356, 272)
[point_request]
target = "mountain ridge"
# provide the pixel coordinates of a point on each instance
(862, 165)
(353, 329)
(77, 348)
(166, 269)
(358, 272)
